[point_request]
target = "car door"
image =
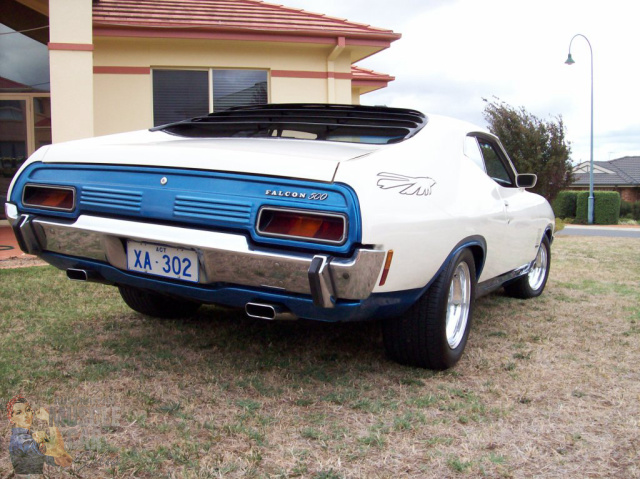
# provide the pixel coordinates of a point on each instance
(520, 229)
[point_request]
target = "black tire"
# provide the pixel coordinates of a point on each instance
(156, 304)
(419, 337)
(532, 284)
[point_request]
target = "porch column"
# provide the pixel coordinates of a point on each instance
(331, 69)
(71, 67)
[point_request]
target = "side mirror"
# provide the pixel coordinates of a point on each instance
(527, 180)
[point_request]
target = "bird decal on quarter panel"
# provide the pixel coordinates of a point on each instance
(420, 185)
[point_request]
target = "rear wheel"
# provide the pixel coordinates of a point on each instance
(156, 304)
(533, 283)
(434, 332)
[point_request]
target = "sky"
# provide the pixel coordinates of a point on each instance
(34, 72)
(454, 53)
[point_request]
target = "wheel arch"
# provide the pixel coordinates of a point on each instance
(549, 233)
(478, 247)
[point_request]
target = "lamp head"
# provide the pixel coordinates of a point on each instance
(569, 60)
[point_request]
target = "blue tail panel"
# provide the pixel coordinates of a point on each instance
(200, 199)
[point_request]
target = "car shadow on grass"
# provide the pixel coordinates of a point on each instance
(217, 339)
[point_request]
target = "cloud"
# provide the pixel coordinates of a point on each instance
(23, 60)
(454, 53)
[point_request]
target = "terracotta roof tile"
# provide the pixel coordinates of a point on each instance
(364, 74)
(252, 16)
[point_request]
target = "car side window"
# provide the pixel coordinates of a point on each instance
(472, 151)
(494, 165)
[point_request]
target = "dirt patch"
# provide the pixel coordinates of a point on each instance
(23, 261)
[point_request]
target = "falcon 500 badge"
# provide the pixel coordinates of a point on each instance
(295, 194)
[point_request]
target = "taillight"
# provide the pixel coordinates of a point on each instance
(297, 224)
(49, 197)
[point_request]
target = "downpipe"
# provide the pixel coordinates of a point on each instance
(268, 311)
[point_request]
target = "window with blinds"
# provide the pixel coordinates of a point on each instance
(179, 94)
(238, 88)
(182, 94)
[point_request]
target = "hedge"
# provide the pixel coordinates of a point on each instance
(582, 205)
(630, 210)
(606, 210)
(564, 206)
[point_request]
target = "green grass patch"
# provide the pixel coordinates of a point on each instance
(219, 395)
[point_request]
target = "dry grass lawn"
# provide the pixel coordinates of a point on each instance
(548, 388)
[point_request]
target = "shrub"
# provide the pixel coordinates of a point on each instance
(625, 209)
(606, 209)
(582, 207)
(564, 206)
(630, 210)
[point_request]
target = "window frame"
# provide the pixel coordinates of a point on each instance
(209, 71)
(30, 117)
(500, 153)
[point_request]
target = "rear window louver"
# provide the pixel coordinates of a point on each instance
(350, 123)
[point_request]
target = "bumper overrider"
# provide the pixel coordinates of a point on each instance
(99, 245)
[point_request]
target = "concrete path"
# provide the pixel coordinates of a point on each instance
(609, 231)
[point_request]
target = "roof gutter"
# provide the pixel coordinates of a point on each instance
(212, 31)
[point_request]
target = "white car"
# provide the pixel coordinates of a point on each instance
(325, 212)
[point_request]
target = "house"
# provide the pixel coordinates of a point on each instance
(120, 65)
(621, 175)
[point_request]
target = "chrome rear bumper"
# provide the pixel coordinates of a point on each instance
(223, 257)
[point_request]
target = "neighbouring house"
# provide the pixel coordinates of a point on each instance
(119, 65)
(621, 175)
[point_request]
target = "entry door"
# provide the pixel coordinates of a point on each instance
(25, 126)
(13, 133)
(13, 141)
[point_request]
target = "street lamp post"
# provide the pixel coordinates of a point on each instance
(570, 61)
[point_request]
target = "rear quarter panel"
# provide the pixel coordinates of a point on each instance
(462, 203)
(418, 225)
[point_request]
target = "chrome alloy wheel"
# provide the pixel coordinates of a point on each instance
(538, 269)
(458, 305)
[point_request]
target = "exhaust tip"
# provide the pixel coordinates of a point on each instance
(260, 311)
(77, 274)
(268, 311)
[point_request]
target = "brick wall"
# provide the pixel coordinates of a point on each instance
(630, 194)
(4, 186)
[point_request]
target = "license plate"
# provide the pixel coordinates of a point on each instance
(177, 263)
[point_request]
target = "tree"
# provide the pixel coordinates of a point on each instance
(534, 145)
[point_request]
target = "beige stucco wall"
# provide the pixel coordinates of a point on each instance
(174, 52)
(124, 101)
(71, 70)
(70, 21)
